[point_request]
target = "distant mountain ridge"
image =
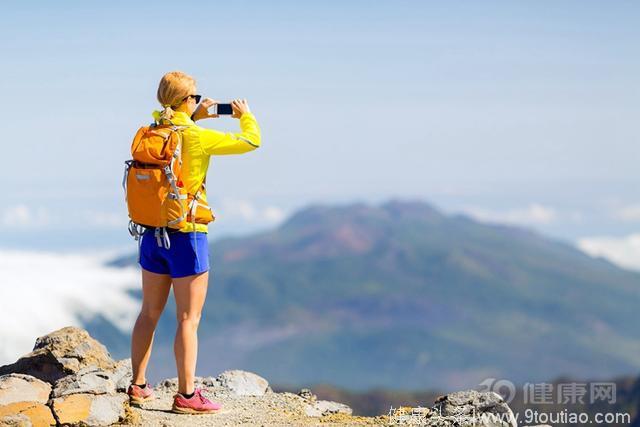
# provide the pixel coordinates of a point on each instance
(401, 295)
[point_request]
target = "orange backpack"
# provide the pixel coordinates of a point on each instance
(154, 192)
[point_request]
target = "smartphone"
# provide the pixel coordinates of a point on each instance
(221, 109)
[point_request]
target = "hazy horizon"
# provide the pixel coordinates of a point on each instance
(516, 112)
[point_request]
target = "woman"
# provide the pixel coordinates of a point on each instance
(185, 264)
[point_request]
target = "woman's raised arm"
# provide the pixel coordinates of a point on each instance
(214, 142)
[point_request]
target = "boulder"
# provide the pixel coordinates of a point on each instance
(60, 353)
(23, 388)
(306, 394)
(123, 374)
(19, 420)
(326, 407)
(84, 376)
(91, 409)
(37, 414)
(40, 364)
(243, 383)
(88, 380)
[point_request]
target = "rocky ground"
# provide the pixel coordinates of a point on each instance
(70, 379)
(242, 406)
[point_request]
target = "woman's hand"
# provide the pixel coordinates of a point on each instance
(239, 107)
(202, 110)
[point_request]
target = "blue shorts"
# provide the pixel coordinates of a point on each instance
(188, 254)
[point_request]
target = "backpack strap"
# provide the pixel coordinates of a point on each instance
(169, 173)
(162, 237)
(136, 230)
(196, 202)
(127, 168)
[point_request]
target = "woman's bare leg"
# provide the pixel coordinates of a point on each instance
(155, 290)
(190, 293)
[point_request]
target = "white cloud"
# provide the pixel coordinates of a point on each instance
(104, 219)
(248, 211)
(41, 292)
(623, 251)
(628, 213)
(22, 216)
(274, 214)
(533, 214)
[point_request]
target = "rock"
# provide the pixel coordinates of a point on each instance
(37, 413)
(23, 388)
(84, 378)
(168, 384)
(171, 384)
(327, 407)
(40, 364)
(243, 383)
(18, 420)
(72, 408)
(107, 410)
(91, 409)
(466, 407)
(306, 394)
(312, 411)
(123, 375)
(208, 381)
(60, 353)
(87, 380)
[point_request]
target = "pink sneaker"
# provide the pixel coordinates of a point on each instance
(198, 404)
(140, 395)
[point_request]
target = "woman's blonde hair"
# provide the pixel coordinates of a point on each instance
(174, 87)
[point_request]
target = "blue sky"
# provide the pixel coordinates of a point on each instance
(523, 112)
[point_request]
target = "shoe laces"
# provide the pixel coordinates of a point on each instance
(198, 392)
(203, 399)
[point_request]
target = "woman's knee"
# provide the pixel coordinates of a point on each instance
(189, 320)
(151, 314)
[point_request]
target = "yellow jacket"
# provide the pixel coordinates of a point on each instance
(198, 144)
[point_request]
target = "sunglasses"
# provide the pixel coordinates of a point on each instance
(197, 97)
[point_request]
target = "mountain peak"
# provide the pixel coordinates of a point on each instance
(407, 208)
(392, 209)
